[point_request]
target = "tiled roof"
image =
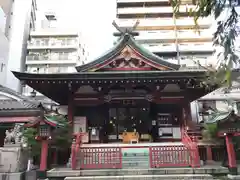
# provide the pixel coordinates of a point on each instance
(16, 105)
(221, 94)
(219, 117)
(127, 40)
(21, 103)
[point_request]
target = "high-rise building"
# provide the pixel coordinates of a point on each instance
(5, 15)
(21, 21)
(54, 50)
(175, 39)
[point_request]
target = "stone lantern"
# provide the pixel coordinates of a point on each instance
(44, 125)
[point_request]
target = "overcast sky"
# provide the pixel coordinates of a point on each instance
(93, 17)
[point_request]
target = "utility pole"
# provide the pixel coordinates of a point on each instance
(176, 38)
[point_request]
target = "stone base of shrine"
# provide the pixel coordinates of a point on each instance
(67, 172)
(234, 177)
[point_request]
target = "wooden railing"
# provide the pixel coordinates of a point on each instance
(94, 157)
(111, 157)
(191, 144)
(75, 149)
(169, 156)
(100, 158)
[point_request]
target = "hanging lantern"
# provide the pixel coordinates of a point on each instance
(44, 130)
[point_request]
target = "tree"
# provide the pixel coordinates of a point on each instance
(61, 136)
(34, 147)
(226, 32)
(227, 29)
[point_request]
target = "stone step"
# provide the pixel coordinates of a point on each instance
(132, 161)
(134, 166)
(67, 172)
(135, 158)
(148, 177)
(136, 154)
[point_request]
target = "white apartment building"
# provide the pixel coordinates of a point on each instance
(22, 17)
(5, 8)
(53, 50)
(173, 38)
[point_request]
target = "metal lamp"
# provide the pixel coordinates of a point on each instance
(44, 131)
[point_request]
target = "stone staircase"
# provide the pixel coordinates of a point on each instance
(136, 166)
(143, 174)
(195, 132)
(148, 177)
(137, 158)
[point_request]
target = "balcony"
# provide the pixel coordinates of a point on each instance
(145, 24)
(155, 35)
(53, 44)
(161, 36)
(171, 47)
(50, 59)
(130, 1)
(196, 47)
(160, 47)
(136, 1)
(198, 35)
(144, 10)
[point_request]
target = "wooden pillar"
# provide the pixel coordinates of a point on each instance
(186, 114)
(44, 155)
(70, 106)
(55, 154)
(209, 154)
(232, 164)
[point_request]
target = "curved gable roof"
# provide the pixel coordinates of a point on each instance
(128, 40)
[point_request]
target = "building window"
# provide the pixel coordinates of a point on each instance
(238, 107)
(63, 55)
(37, 42)
(152, 32)
(152, 45)
(2, 67)
(166, 45)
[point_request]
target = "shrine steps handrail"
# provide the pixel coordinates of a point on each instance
(75, 148)
(191, 146)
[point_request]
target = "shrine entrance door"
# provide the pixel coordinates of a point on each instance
(128, 119)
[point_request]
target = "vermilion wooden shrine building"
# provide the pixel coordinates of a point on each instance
(125, 95)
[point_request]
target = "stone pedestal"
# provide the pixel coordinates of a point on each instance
(11, 176)
(235, 177)
(13, 159)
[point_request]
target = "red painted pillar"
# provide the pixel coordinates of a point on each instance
(55, 157)
(209, 154)
(44, 155)
(73, 155)
(232, 164)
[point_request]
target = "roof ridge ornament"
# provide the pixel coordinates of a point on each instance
(124, 31)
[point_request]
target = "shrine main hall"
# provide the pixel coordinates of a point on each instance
(127, 98)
